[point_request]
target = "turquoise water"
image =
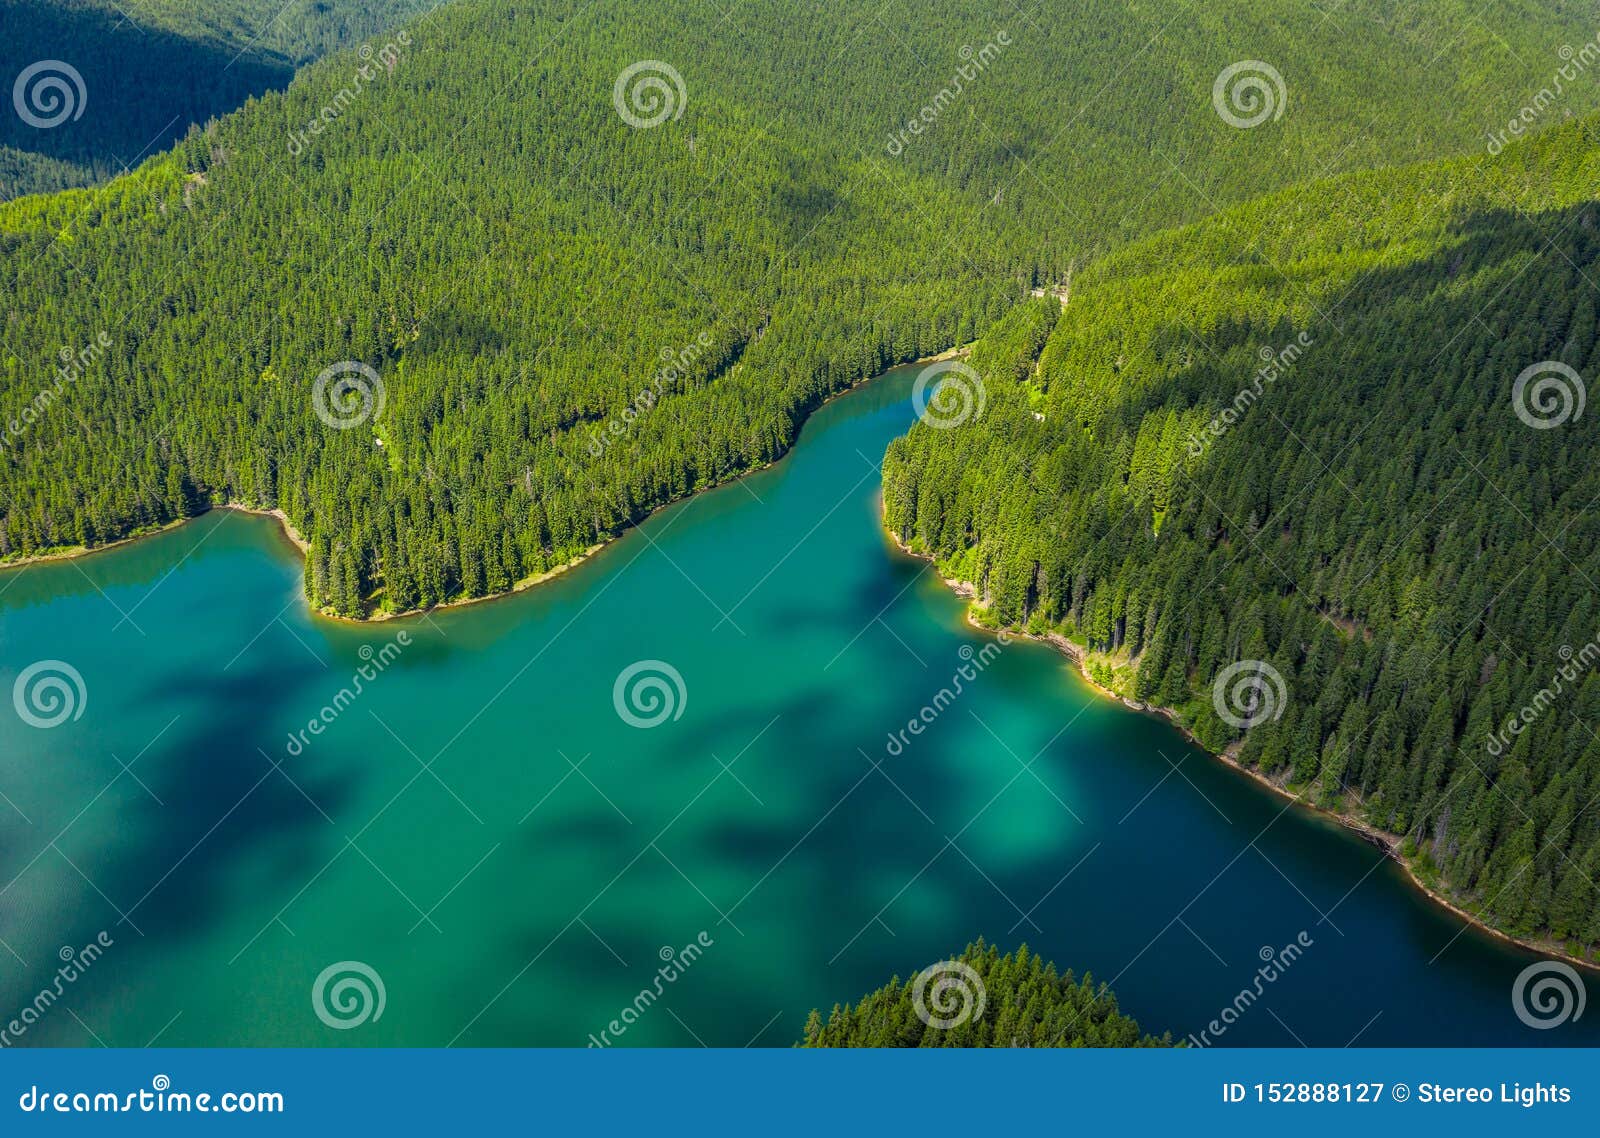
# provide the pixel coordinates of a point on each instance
(512, 860)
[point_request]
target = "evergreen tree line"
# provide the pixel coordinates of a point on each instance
(1015, 1000)
(149, 70)
(476, 223)
(1376, 522)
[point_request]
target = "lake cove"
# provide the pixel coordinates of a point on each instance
(701, 736)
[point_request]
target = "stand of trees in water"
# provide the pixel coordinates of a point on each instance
(983, 999)
(1337, 431)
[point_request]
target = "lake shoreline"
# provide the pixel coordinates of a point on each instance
(379, 617)
(1387, 842)
(77, 553)
(540, 578)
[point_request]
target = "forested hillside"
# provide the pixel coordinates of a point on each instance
(1338, 431)
(295, 30)
(526, 322)
(983, 999)
(143, 71)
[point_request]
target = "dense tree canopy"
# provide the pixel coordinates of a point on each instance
(150, 68)
(990, 1000)
(574, 321)
(1292, 434)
